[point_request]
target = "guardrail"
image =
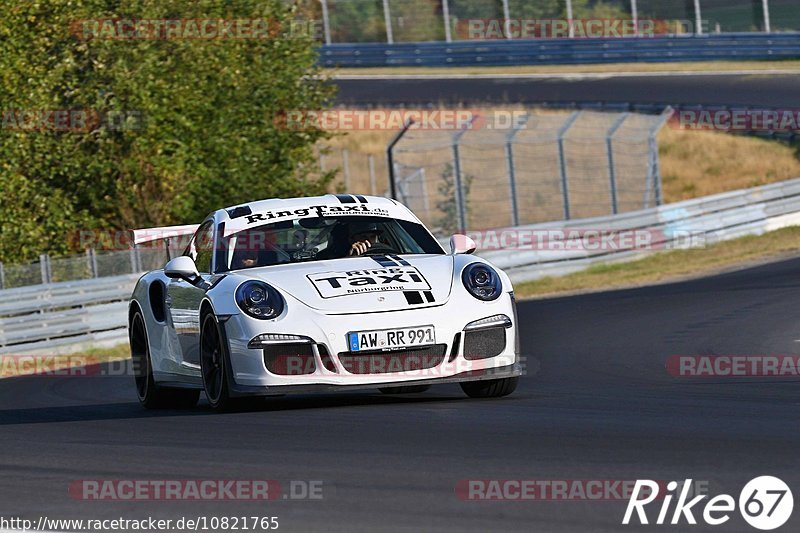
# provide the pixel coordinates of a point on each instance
(42, 317)
(711, 218)
(730, 46)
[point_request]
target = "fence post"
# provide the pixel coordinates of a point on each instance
(512, 176)
(562, 161)
(653, 179)
(390, 157)
(90, 256)
(767, 25)
(612, 175)
(656, 170)
(448, 36)
(698, 18)
(507, 20)
(2, 276)
(387, 17)
(373, 187)
(326, 22)
(346, 167)
(635, 16)
(132, 255)
(461, 208)
(138, 256)
(460, 211)
(570, 19)
(45, 268)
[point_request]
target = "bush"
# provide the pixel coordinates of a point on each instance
(194, 128)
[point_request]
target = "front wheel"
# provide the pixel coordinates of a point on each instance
(151, 396)
(214, 365)
(490, 388)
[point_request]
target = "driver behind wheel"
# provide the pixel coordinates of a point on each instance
(363, 237)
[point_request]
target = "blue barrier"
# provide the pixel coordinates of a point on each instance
(731, 46)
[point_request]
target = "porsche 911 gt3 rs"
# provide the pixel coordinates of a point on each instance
(335, 292)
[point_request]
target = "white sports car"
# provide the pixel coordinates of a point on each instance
(336, 292)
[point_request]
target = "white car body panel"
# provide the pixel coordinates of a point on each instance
(318, 310)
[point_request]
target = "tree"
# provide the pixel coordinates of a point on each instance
(177, 127)
(448, 223)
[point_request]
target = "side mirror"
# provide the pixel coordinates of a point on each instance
(461, 244)
(181, 267)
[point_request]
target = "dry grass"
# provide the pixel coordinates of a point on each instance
(696, 163)
(693, 163)
(672, 265)
(581, 69)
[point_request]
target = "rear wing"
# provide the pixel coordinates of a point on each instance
(141, 236)
(165, 233)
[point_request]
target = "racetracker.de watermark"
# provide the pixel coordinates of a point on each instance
(408, 363)
(532, 490)
(424, 119)
(195, 489)
(558, 28)
(355, 365)
(586, 239)
(736, 120)
(70, 120)
(733, 366)
(193, 29)
(63, 366)
(563, 28)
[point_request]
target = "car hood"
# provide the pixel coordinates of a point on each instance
(364, 284)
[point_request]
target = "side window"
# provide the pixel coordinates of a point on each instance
(202, 247)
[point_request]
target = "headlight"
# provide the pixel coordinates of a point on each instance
(482, 281)
(259, 300)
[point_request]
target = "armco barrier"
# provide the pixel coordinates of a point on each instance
(39, 318)
(718, 217)
(42, 317)
(715, 47)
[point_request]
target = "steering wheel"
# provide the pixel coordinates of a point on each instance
(379, 249)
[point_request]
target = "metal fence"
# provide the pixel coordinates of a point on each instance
(92, 264)
(62, 314)
(549, 166)
(690, 223)
(356, 171)
(391, 21)
(509, 53)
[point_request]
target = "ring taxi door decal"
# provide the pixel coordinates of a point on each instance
(346, 283)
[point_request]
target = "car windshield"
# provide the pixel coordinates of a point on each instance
(319, 238)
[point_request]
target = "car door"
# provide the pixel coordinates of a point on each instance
(184, 297)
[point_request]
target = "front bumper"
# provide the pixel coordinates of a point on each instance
(328, 333)
(492, 373)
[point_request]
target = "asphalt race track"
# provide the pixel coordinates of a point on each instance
(600, 407)
(756, 90)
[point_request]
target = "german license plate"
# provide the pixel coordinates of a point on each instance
(391, 339)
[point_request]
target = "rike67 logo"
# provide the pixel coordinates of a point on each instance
(765, 503)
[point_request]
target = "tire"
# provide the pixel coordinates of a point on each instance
(214, 365)
(151, 396)
(490, 388)
(410, 389)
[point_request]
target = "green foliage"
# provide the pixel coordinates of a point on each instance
(359, 21)
(198, 128)
(448, 222)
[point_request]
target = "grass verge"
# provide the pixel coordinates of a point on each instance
(673, 265)
(25, 365)
(702, 66)
(693, 163)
